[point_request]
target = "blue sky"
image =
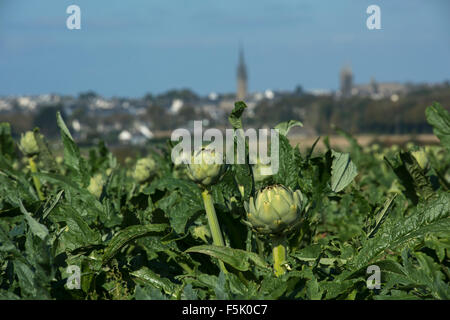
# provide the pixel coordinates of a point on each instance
(129, 48)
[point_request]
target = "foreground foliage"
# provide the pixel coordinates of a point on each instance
(141, 232)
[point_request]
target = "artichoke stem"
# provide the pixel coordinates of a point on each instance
(37, 182)
(260, 246)
(279, 257)
(213, 224)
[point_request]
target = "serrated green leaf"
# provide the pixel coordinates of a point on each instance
(309, 253)
(432, 216)
(343, 171)
(439, 118)
(147, 276)
(148, 293)
(72, 157)
(289, 164)
(36, 228)
(182, 202)
(129, 234)
(284, 127)
(238, 259)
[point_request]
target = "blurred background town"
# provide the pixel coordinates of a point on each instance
(383, 110)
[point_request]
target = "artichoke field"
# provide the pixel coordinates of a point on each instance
(89, 227)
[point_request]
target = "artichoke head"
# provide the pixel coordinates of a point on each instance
(28, 144)
(145, 169)
(201, 232)
(275, 210)
(206, 167)
(96, 185)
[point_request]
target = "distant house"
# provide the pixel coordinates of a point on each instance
(137, 135)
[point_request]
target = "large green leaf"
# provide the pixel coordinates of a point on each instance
(309, 253)
(181, 203)
(76, 233)
(36, 228)
(439, 118)
(129, 234)
(45, 155)
(148, 293)
(72, 157)
(31, 287)
(147, 277)
(343, 171)
(432, 216)
(284, 127)
(238, 259)
(289, 164)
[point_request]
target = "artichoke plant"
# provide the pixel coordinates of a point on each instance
(145, 169)
(28, 144)
(275, 211)
(30, 148)
(96, 185)
(206, 167)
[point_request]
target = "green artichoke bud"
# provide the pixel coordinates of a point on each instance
(275, 210)
(59, 160)
(258, 169)
(379, 157)
(145, 169)
(409, 145)
(28, 144)
(201, 232)
(421, 158)
(375, 147)
(394, 148)
(16, 165)
(96, 185)
(231, 203)
(206, 167)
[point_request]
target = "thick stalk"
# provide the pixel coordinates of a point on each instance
(37, 182)
(213, 223)
(279, 257)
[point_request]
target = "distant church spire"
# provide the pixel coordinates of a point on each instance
(346, 79)
(241, 77)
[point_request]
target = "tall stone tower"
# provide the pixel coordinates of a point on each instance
(241, 77)
(346, 81)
